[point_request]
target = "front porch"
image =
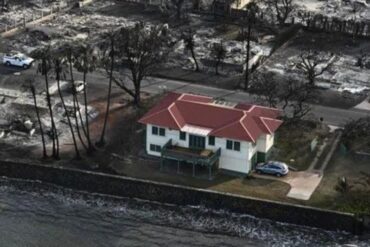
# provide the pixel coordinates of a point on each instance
(195, 157)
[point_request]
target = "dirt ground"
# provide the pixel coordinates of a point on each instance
(293, 143)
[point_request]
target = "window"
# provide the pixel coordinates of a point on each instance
(158, 131)
(233, 145)
(229, 144)
(154, 130)
(155, 148)
(211, 140)
(162, 132)
(182, 135)
(237, 146)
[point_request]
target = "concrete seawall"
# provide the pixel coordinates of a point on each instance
(180, 195)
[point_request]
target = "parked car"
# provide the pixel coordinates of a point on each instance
(273, 168)
(18, 59)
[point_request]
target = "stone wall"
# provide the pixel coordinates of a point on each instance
(180, 195)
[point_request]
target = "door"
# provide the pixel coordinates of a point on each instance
(197, 142)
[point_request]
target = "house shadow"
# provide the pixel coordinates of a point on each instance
(199, 177)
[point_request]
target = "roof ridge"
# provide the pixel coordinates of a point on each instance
(267, 127)
(266, 107)
(165, 108)
(245, 128)
(172, 115)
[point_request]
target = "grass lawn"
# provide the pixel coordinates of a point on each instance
(293, 143)
(357, 197)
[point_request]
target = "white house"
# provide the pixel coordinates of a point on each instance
(204, 131)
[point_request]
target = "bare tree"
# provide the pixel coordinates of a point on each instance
(189, 42)
(282, 9)
(45, 66)
(266, 87)
(178, 5)
(141, 49)
(295, 97)
(218, 53)
(314, 64)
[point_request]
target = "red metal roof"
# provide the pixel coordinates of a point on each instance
(241, 122)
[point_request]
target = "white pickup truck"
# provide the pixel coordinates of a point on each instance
(18, 59)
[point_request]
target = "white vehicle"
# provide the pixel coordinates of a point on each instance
(18, 59)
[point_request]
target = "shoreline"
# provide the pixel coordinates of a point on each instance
(122, 186)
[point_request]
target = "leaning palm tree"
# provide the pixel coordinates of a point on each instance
(85, 62)
(43, 55)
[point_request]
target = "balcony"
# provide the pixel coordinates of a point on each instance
(201, 157)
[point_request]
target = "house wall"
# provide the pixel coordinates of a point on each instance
(237, 161)
(162, 140)
(265, 142)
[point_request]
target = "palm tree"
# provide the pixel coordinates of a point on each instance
(108, 48)
(43, 55)
(85, 62)
(57, 58)
(68, 59)
(33, 91)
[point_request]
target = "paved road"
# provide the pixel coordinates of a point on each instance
(97, 82)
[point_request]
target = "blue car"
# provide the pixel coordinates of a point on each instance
(273, 168)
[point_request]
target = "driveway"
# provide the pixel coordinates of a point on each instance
(302, 184)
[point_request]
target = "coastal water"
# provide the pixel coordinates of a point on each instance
(36, 214)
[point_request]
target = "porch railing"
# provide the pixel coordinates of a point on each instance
(169, 153)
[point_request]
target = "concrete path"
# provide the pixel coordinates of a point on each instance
(302, 184)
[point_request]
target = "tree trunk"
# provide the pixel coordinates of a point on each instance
(45, 155)
(53, 128)
(217, 64)
(77, 115)
(246, 81)
(66, 112)
(195, 60)
(178, 12)
(137, 98)
(102, 141)
(90, 146)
